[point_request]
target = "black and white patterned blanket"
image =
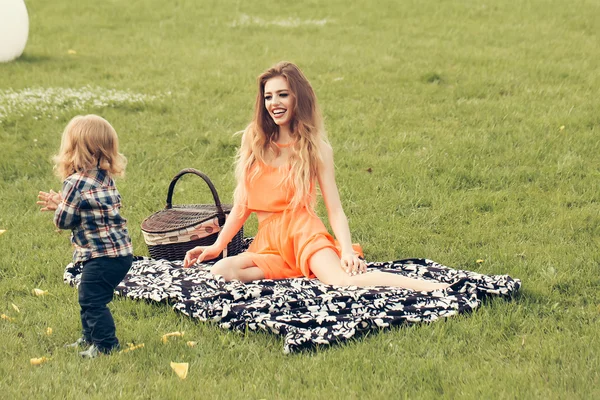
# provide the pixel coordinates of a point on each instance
(305, 311)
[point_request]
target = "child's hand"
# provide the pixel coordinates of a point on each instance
(49, 200)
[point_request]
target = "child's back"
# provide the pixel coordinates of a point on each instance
(91, 209)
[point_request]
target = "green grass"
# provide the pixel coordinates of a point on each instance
(462, 131)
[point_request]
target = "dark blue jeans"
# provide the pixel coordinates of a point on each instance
(99, 279)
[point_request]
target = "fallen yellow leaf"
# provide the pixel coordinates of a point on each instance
(479, 261)
(2, 231)
(132, 347)
(191, 344)
(38, 361)
(7, 318)
(14, 306)
(48, 331)
(39, 292)
(181, 369)
(562, 127)
(166, 336)
(71, 51)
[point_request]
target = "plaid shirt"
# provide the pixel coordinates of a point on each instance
(90, 208)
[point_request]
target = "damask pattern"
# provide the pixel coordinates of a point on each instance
(304, 311)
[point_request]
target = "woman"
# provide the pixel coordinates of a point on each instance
(284, 153)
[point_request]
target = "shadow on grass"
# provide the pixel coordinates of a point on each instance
(29, 58)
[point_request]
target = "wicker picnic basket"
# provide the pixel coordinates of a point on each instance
(171, 232)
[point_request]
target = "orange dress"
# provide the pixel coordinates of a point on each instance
(287, 239)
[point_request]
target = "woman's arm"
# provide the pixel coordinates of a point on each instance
(337, 218)
(235, 220)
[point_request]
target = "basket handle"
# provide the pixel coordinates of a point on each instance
(208, 182)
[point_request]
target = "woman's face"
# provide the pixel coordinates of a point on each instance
(279, 100)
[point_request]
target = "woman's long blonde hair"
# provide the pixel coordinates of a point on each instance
(89, 142)
(308, 131)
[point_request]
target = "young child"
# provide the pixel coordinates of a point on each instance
(283, 155)
(89, 205)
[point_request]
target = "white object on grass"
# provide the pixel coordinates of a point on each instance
(14, 29)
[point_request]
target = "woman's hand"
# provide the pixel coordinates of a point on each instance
(199, 254)
(352, 264)
(49, 200)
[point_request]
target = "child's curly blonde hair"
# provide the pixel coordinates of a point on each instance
(89, 142)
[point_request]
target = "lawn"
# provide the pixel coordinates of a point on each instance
(462, 131)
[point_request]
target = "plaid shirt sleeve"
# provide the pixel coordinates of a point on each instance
(67, 215)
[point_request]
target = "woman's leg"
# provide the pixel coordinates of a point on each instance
(325, 264)
(238, 267)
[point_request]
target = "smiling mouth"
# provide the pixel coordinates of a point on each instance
(278, 113)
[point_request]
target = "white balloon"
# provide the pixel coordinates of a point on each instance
(14, 29)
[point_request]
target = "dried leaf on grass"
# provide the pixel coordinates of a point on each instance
(191, 344)
(39, 292)
(7, 318)
(131, 347)
(181, 369)
(38, 361)
(166, 336)
(14, 306)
